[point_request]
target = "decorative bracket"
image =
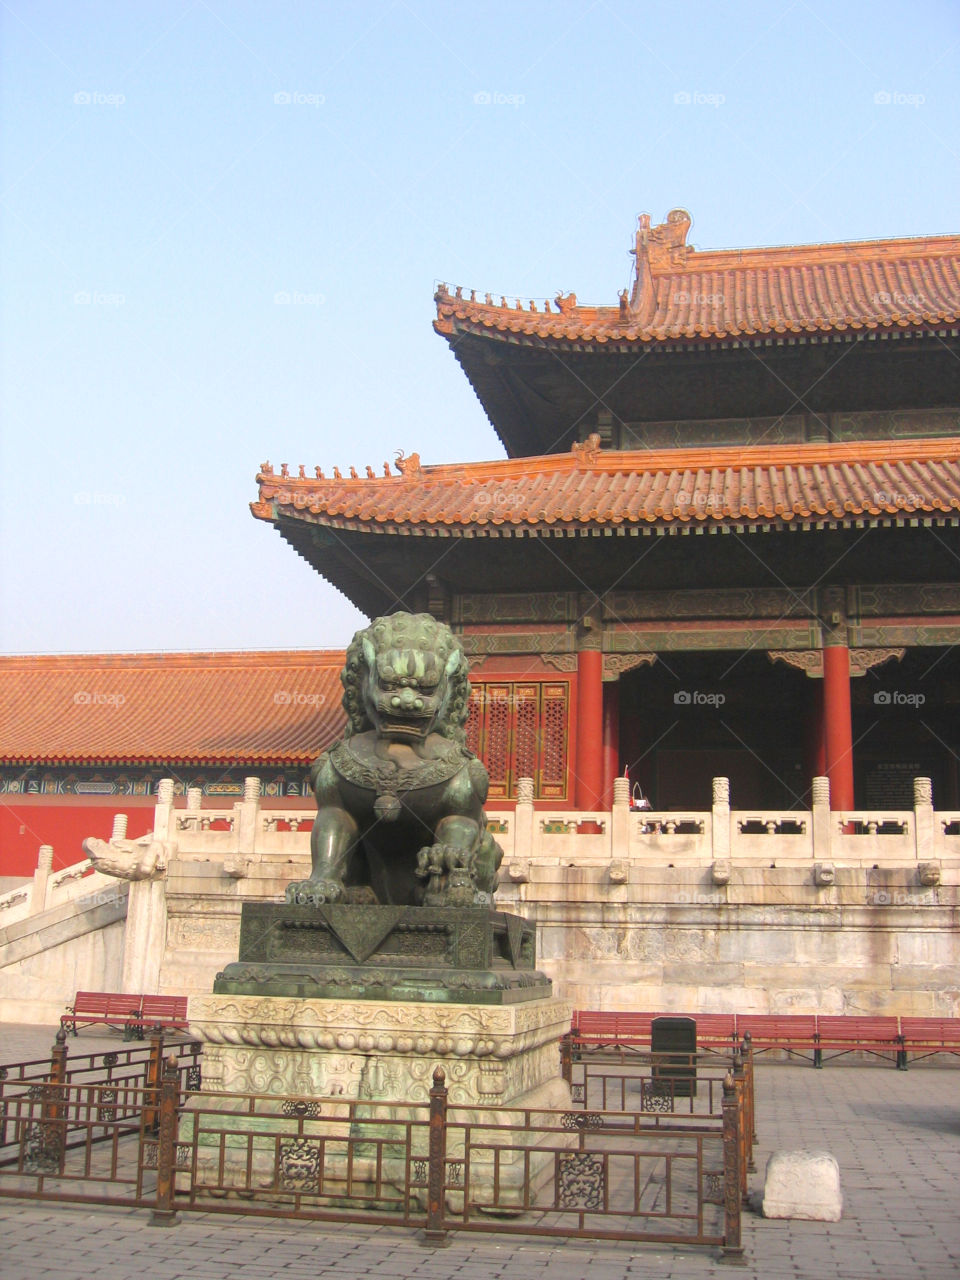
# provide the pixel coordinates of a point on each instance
(617, 664)
(811, 660)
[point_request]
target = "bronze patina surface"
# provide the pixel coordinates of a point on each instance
(469, 954)
(399, 901)
(400, 798)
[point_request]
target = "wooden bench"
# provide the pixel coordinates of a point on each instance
(924, 1037)
(615, 1029)
(794, 1033)
(715, 1029)
(131, 1012)
(169, 1012)
(853, 1032)
(618, 1029)
(111, 1008)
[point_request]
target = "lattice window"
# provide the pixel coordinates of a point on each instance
(553, 757)
(497, 738)
(474, 720)
(526, 731)
(519, 730)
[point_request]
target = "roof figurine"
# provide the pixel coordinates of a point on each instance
(409, 467)
(587, 450)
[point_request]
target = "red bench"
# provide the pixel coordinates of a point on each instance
(169, 1012)
(130, 1012)
(111, 1008)
(592, 1029)
(851, 1032)
(794, 1033)
(808, 1035)
(617, 1029)
(715, 1028)
(924, 1037)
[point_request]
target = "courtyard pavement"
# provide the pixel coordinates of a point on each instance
(895, 1134)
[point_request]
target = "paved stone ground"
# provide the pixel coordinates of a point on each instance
(896, 1136)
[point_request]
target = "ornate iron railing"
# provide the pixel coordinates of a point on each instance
(581, 1172)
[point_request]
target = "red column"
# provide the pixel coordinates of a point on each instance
(814, 749)
(611, 739)
(588, 756)
(838, 725)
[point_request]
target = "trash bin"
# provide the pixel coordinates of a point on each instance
(676, 1040)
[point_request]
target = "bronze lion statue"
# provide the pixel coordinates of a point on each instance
(400, 798)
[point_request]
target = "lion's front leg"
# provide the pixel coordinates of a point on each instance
(450, 865)
(333, 842)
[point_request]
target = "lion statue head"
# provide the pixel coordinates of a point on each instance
(406, 677)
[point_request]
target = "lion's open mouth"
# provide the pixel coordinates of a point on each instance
(407, 728)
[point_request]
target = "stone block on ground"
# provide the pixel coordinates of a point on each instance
(803, 1184)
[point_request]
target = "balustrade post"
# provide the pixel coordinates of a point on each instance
(747, 1051)
(732, 1248)
(163, 813)
(720, 820)
(164, 1214)
(434, 1233)
(523, 820)
(821, 819)
(53, 1109)
(247, 817)
(746, 1088)
(738, 1080)
(58, 1058)
(620, 819)
(923, 819)
(41, 879)
(152, 1080)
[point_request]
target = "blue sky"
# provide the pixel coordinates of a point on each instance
(169, 169)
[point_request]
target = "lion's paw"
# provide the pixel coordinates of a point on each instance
(314, 893)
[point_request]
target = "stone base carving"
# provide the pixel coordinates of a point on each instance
(316, 1055)
(384, 1050)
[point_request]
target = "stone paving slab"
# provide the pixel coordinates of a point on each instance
(896, 1136)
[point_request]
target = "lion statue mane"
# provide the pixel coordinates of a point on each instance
(400, 797)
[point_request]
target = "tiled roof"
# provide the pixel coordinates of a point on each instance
(590, 487)
(228, 708)
(681, 293)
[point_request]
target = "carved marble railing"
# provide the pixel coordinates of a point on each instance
(246, 834)
(52, 888)
(719, 835)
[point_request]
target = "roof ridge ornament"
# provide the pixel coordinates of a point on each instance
(587, 450)
(409, 467)
(657, 249)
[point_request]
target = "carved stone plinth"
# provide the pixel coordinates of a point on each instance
(364, 952)
(383, 1050)
(317, 1055)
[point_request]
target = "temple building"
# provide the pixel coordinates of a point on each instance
(724, 541)
(721, 556)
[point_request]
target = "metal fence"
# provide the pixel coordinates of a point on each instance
(161, 1142)
(51, 1107)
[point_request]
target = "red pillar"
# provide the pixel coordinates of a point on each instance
(838, 725)
(814, 748)
(588, 757)
(611, 739)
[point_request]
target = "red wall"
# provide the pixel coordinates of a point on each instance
(27, 822)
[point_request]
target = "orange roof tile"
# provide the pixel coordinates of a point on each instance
(228, 708)
(777, 484)
(681, 293)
